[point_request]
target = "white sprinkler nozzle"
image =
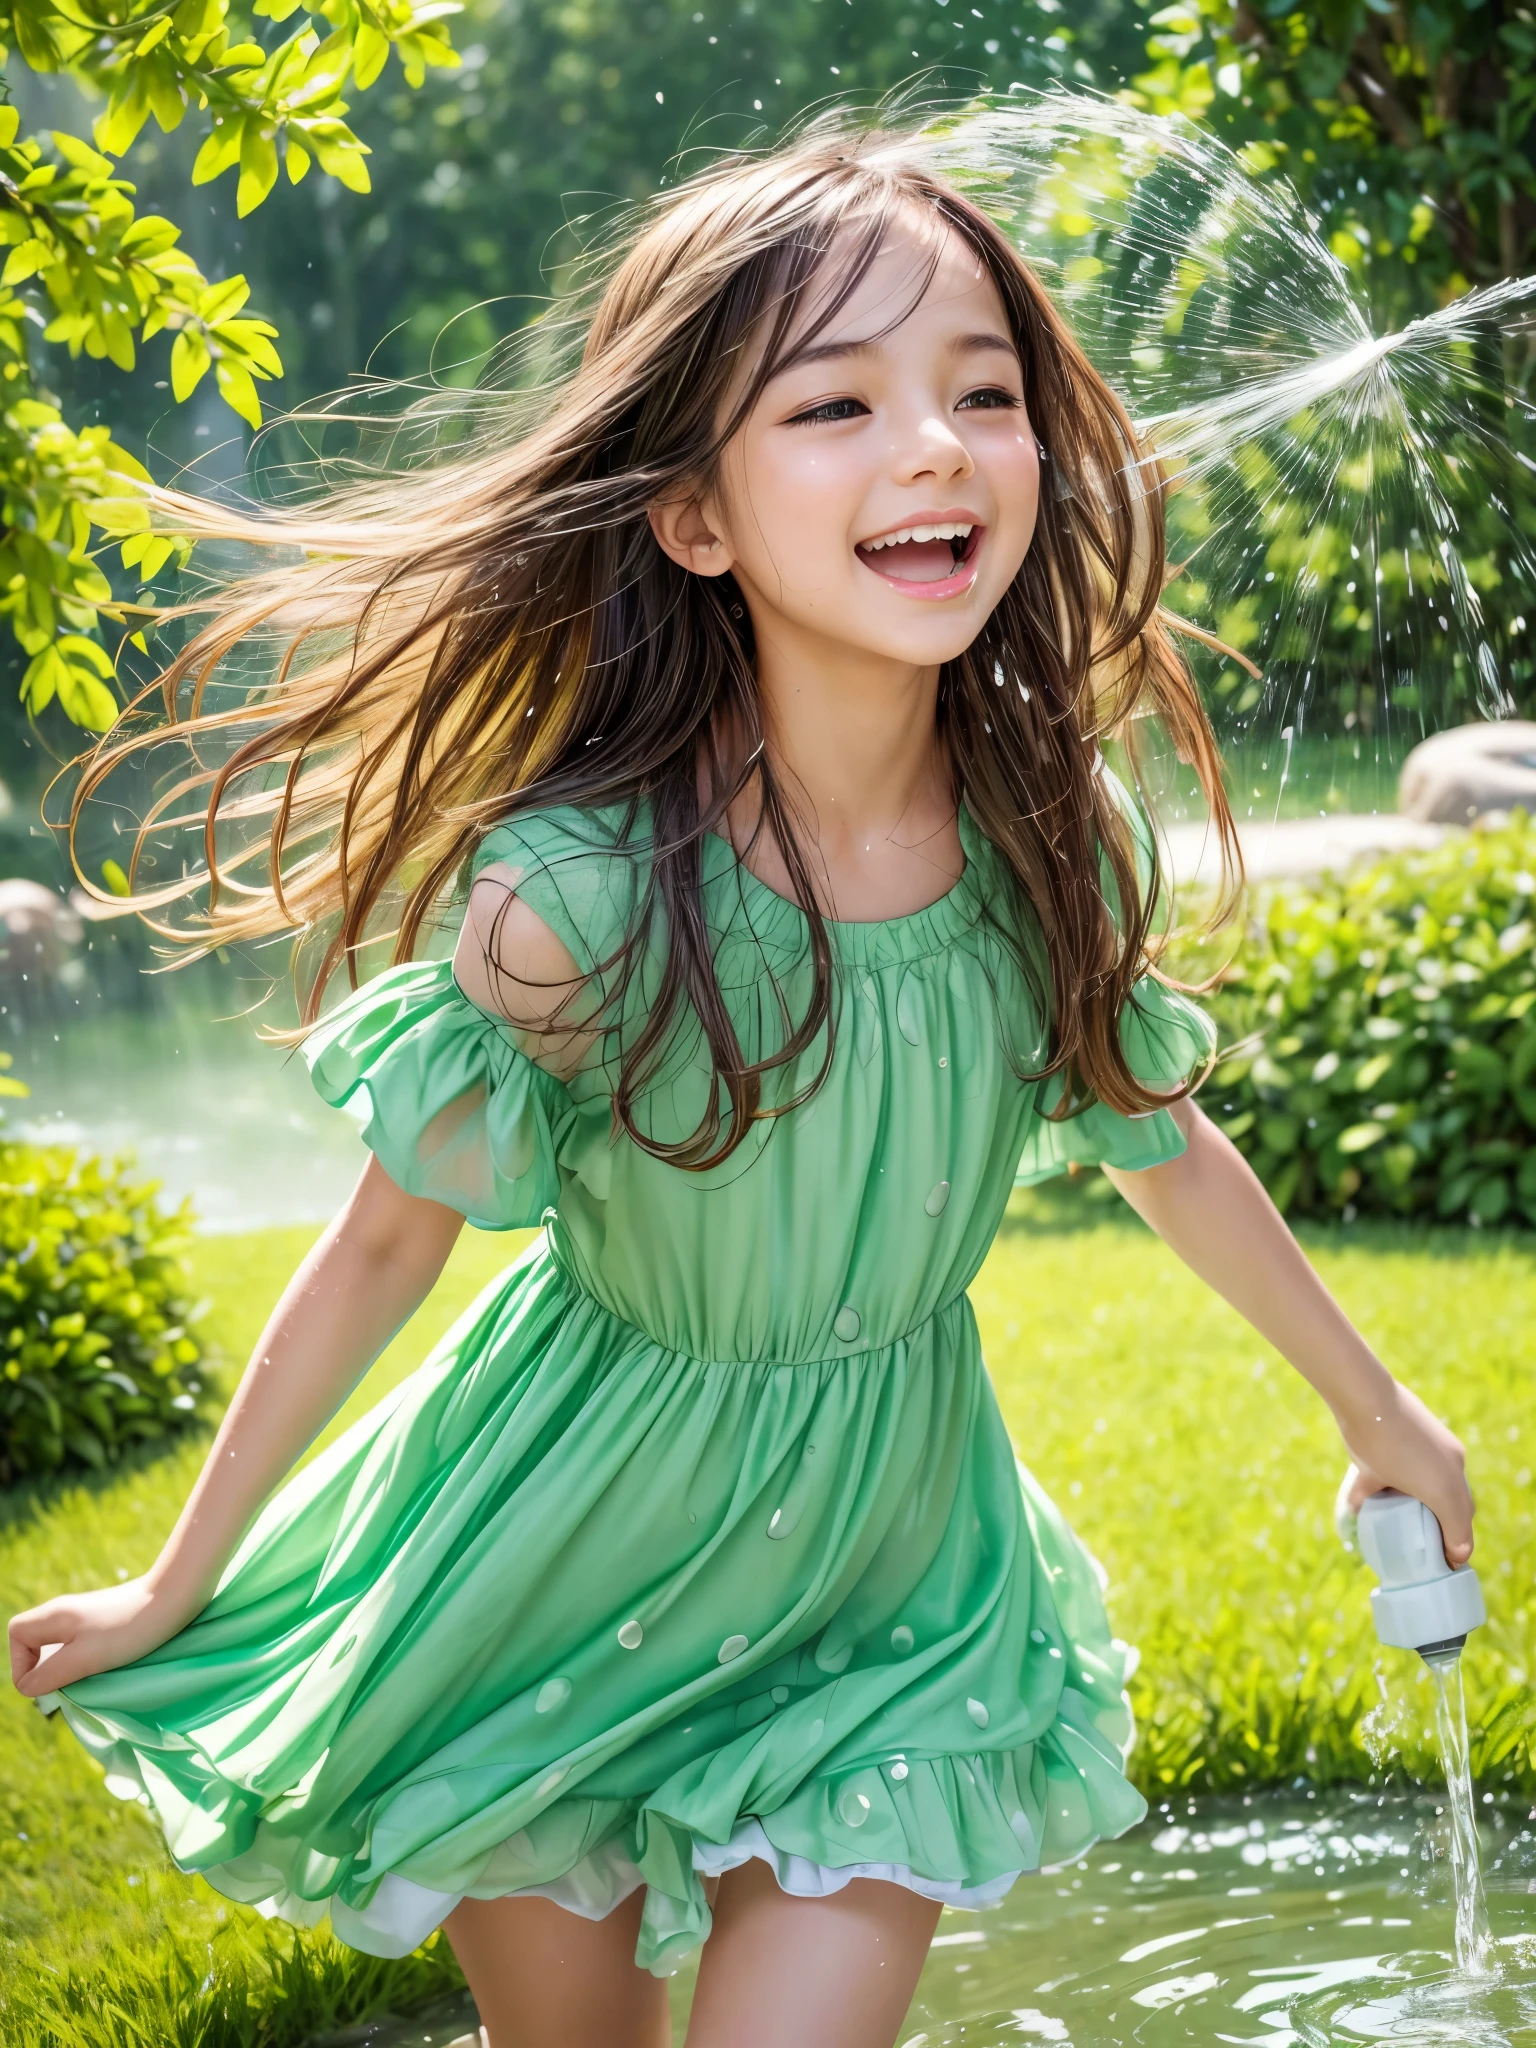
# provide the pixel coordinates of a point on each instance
(1422, 1603)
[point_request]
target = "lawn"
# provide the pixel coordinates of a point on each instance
(1195, 1465)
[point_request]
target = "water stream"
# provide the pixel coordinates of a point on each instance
(1473, 1940)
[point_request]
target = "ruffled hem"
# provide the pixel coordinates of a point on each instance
(960, 1830)
(402, 1915)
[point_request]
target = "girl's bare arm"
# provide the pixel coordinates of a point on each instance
(367, 1275)
(1209, 1207)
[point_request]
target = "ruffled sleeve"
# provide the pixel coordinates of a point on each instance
(446, 1102)
(1166, 1040)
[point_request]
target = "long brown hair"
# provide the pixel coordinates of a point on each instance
(499, 632)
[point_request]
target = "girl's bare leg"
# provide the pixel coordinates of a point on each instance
(782, 1972)
(545, 1978)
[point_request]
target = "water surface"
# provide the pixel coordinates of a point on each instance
(1286, 1920)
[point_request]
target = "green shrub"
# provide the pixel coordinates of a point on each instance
(1382, 1035)
(94, 1325)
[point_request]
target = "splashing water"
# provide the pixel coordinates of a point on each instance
(1473, 1938)
(1345, 507)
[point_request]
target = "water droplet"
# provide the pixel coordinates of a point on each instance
(1054, 1651)
(943, 1059)
(902, 1639)
(692, 1516)
(847, 1323)
(938, 1201)
(732, 1647)
(631, 1635)
(810, 1450)
(553, 1693)
(853, 1809)
(779, 1695)
(899, 1770)
(548, 1784)
(978, 1712)
(1037, 1635)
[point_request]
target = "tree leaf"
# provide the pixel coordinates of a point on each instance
(88, 653)
(237, 389)
(127, 111)
(219, 151)
(189, 363)
(150, 235)
(40, 681)
(370, 53)
(86, 700)
(258, 168)
(25, 260)
(220, 300)
(81, 154)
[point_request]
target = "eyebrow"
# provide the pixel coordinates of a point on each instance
(838, 351)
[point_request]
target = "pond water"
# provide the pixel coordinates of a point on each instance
(182, 1081)
(1284, 1920)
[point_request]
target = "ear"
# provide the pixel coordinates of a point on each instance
(685, 532)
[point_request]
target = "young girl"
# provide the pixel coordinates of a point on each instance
(690, 1592)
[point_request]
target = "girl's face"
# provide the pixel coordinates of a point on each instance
(882, 492)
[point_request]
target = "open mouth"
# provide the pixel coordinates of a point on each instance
(935, 559)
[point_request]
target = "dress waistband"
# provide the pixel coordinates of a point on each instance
(557, 1245)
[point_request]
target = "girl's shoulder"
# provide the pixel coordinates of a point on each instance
(580, 868)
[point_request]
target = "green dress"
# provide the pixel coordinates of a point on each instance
(700, 1536)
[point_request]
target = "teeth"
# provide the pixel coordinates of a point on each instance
(948, 531)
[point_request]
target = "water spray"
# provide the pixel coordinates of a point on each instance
(1422, 1603)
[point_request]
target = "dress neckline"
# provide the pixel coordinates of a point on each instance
(874, 941)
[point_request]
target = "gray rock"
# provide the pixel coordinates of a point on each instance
(1457, 776)
(38, 930)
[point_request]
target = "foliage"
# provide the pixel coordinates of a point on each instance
(94, 275)
(254, 1985)
(1382, 1029)
(97, 1350)
(1413, 127)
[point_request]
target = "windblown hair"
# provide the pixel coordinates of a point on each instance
(500, 632)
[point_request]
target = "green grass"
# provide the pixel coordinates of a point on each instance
(1201, 1471)
(1194, 1464)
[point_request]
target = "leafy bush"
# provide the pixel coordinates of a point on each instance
(94, 1325)
(1382, 1034)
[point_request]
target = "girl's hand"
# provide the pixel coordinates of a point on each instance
(83, 1633)
(1410, 1449)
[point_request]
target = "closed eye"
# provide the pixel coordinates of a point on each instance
(829, 412)
(990, 398)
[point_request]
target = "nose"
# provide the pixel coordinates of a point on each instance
(928, 447)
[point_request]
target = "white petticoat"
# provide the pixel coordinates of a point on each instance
(402, 1914)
